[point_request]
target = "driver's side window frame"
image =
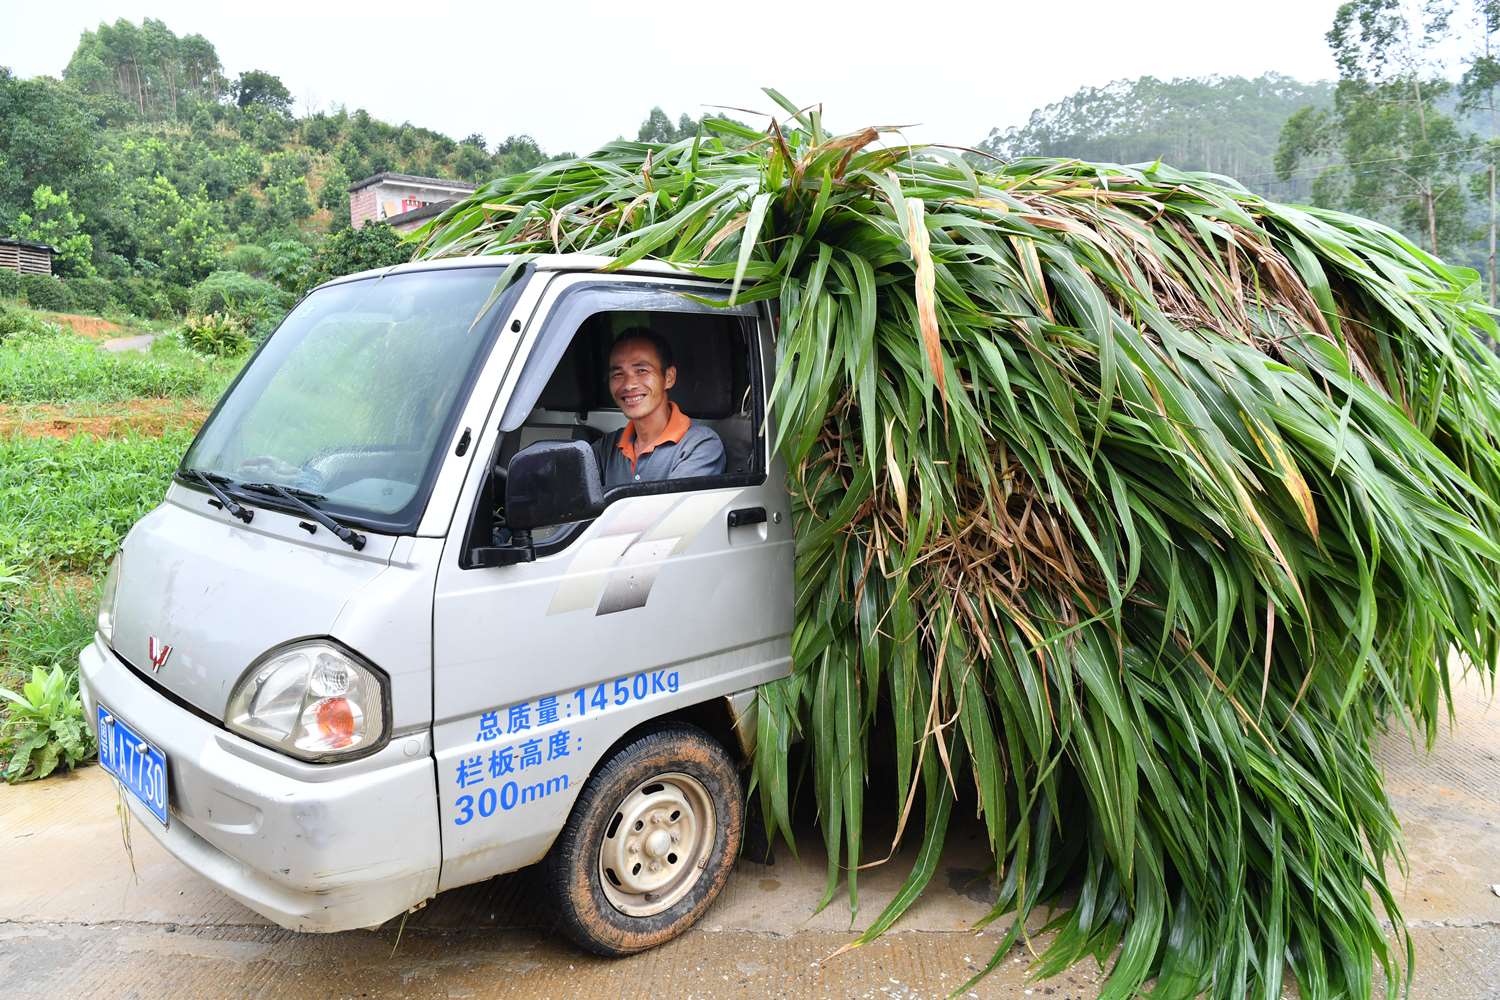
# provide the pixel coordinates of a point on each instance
(557, 335)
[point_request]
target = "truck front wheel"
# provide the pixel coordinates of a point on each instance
(650, 842)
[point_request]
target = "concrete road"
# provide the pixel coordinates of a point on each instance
(75, 921)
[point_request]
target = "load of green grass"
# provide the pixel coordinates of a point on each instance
(1139, 503)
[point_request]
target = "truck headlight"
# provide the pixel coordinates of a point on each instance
(106, 619)
(313, 700)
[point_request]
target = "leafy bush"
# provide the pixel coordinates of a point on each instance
(44, 291)
(18, 322)
(90, 294)
(250, 259)
(216, 333)
(142, 297)
(67, 504)
(52, 220)
(259, 303)
(45, 726)
(10, 283)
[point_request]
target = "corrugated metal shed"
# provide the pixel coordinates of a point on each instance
(26, 257)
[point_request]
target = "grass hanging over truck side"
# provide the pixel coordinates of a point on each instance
(1141, 502)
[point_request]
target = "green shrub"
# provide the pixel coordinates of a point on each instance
(90, 294)
(259, 303)
(18, 322)
(44, 291)
(178, 297)
(216, 333)
(142, 297)
(44, 725)
(250, 259)
(10, 283)
(290, 263)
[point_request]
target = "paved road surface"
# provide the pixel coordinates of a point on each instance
(75, 922)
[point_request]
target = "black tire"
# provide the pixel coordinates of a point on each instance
(574, 871)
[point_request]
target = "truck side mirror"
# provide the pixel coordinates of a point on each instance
(552, 482)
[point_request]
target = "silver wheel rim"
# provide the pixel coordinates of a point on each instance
(656, 844)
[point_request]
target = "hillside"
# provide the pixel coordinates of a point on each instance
(1227, 124)
(151, 169)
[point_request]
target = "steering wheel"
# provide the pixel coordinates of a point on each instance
(303, 476)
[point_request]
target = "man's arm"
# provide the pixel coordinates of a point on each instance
(603, 448)
(700, 454)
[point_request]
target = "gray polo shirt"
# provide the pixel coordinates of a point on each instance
(686, 449)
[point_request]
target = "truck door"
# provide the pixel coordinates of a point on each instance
(679, 592)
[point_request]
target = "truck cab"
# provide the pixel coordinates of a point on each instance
(389, 633)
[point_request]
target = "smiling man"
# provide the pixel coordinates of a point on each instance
(660, 441)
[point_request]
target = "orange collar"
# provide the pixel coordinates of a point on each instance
(678, 425)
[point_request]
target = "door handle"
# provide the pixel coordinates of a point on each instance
(747, 515)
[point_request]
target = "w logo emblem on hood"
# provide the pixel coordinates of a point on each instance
(158, 652)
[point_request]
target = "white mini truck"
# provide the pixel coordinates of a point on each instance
(387, 634)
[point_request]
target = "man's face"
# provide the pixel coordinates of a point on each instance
(636, 380)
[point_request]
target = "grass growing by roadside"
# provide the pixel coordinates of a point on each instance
(53, 365)
(64, 506)
(67, 504)
(66, 500)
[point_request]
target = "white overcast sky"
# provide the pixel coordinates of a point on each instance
(574, 73)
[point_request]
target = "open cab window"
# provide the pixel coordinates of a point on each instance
(563, 392)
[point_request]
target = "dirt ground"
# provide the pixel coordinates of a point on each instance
(75, 921)
(93, 327)
(147, 417)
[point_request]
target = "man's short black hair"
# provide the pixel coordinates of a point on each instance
(650, 336)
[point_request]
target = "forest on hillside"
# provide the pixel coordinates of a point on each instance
(1225, 124)
(1408, 134)
(152, 170)
(169, 184)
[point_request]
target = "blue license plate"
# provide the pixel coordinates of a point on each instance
(141, 767)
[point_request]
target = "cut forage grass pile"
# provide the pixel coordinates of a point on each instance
(1137, 504)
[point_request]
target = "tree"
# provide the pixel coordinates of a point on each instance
(257, 87)
(1478, 92)
(335, 193)
(1402, 157)
(52, 220)
(49, 135)
(470, 162)
(517, 153)
(347, 251)
(182, 237)
(159, 74)
(286, 197)
(659, 128)
(290, 263)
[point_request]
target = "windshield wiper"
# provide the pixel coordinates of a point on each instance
(293, 495)
(211, 479)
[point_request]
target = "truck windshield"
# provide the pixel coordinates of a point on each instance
(353, 393)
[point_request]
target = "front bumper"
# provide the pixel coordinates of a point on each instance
(312, 847)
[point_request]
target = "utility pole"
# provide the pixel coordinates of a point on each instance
(1492, 231)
